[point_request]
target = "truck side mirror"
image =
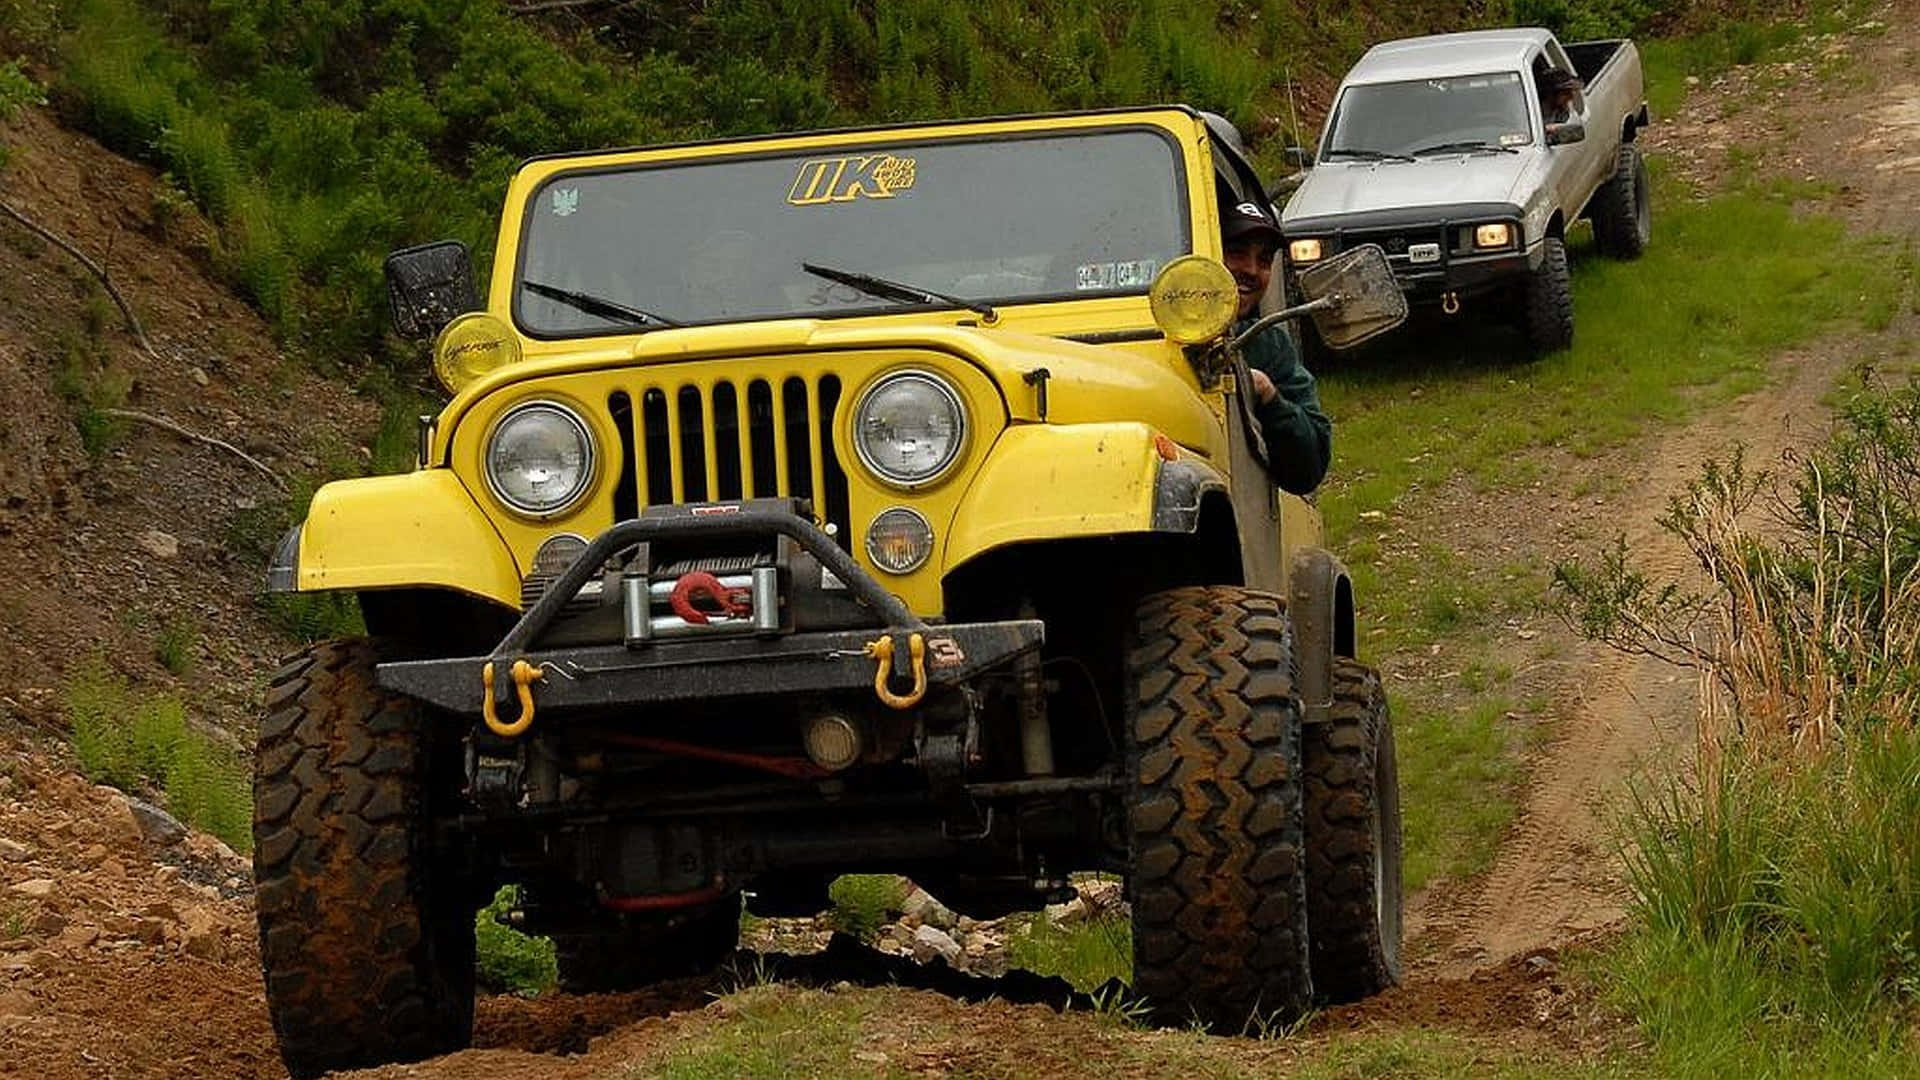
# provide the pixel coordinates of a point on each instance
(1565, 134)
(1299, 157)
(427, 286)
(1366, 299)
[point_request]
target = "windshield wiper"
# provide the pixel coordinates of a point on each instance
(1364, 154)
(896, 290)
(598, 305)
(1469, 144)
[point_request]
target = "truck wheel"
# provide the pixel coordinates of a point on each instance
(365, 944)
(1622, 208)
(1215, 816)
(1548, 300)
(630, 951)
(1353, 840)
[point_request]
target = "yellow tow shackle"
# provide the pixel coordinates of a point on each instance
(882, 652)
(524, 675)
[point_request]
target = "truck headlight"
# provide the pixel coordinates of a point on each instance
(1493, 236)
(909, 427)
(539, 458)
(1304, 251)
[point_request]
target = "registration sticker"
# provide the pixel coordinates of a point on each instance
(1515, 138)
(1133, 274)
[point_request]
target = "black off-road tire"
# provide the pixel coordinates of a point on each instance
(630, 952)
(1623, 208)
(1547, 301)
(1353, 840)
(366, 946)
(1218, 877)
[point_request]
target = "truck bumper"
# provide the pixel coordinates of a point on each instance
(774, 662)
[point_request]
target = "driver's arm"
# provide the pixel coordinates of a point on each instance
(1299, 436)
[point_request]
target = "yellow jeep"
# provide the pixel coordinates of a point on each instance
(876, 500)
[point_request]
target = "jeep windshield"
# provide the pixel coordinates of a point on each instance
(1069, 216)
(1398, 119)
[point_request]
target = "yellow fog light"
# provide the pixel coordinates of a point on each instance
(1193, 299)
(1304, 251)
(899, 541)
(472, 346)
(1493, 236)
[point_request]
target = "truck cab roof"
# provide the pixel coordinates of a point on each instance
(1440, 55)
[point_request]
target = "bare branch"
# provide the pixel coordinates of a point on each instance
(168, 425)
(133, 321)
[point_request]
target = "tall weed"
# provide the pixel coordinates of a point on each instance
(1784, 858)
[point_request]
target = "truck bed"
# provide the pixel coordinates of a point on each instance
(1589, 57)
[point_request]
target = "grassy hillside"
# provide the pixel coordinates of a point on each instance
(319, 135)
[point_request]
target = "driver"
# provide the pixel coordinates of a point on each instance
(1558, 88)
(1299, 436)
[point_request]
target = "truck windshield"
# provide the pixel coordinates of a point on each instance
(1401, 117)
(1066, 216)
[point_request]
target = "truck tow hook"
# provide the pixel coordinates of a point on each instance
(1450, 302)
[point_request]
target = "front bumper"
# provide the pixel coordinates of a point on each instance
(710, 669)
(1429, 248)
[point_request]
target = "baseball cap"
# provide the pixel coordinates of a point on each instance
(1239, 220)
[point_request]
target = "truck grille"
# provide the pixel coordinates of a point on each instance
(725, 439)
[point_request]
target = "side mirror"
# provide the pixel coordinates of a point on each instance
(427, 286)
(1367, 301)
(1299, 157)
(1565, 134)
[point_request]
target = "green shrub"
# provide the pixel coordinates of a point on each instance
(137, 742)
(863, 903)
(175, 644)
(1085, 954)
(510, 962)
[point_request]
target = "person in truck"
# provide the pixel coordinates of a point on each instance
(1558, 92)
(1298, 436)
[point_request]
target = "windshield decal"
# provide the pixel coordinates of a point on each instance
(844, 179)
(1133, 274)
(565, 201)
(1515, 138)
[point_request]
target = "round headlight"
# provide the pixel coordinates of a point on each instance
(899, 541)
(909, 428)
(539, 458)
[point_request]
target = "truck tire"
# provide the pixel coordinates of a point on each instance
(630, 951)
(1218, 874)
(1623, 208)
(1353, 840)
(366, 946)
(1547, 300)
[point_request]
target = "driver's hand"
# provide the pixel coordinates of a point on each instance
(1263, 389)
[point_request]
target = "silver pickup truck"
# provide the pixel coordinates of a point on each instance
(1467, 156)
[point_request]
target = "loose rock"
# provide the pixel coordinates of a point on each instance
(158, 544)
(929, 942)
(156, 825)
(34, 888)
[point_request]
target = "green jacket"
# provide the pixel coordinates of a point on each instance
(1299, 436)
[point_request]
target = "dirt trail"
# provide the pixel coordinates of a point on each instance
(1557, 877)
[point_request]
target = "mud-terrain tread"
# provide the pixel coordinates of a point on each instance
(1616, 207)
(1215, 814)
(366, 959)
(1351, 775)
(634, 954)
(1548, 300)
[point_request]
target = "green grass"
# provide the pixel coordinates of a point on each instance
(863, 903)
(508, 961)
(1457, 779)
(91, 385)
(1734, 42)
(1776, 936)
(1085, 954)
(141, 743)
(779, 1031)
(175, 644)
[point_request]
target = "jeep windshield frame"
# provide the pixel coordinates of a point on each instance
(1009, 219)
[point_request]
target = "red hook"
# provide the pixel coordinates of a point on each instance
(732, 602)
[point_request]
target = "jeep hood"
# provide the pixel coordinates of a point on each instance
(1337, 188)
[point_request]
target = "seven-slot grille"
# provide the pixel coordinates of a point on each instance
(708, 441)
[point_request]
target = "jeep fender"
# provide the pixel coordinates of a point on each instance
(413, 530)
(1054, 482)
(1320, 604)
